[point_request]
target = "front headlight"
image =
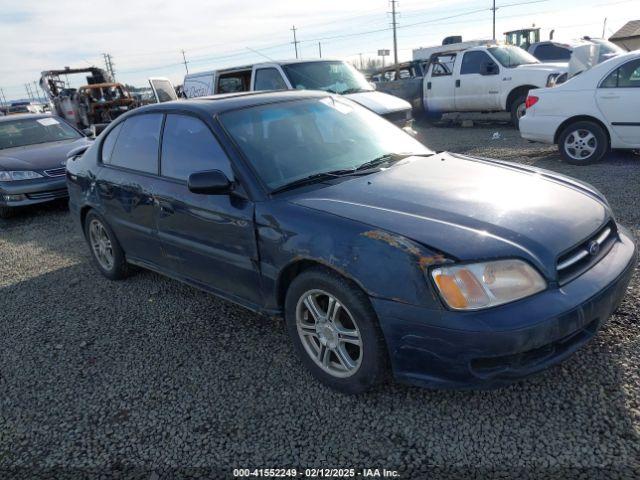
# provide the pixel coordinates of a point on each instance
(12, 176)
(486, 284)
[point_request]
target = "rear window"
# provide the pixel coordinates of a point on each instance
(552, 52)
(137, 143)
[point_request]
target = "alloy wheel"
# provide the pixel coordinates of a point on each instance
(329, 333)
(580, 144)
(101, 244)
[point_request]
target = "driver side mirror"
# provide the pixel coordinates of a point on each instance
(489, 68)
(210, 182)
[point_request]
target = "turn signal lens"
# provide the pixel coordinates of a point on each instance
(487, 284)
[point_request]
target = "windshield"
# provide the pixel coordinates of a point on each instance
(335, 77)
(289, 141)
(512, 56)
(30, 131)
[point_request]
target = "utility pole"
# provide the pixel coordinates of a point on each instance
(320, 49)
(604, 26)
(494, 20)
(184, 60)
(295, 40)
(394, 24)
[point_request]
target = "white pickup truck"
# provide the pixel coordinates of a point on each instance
(333, 76)
(483, 78)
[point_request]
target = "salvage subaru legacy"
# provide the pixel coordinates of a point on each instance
(451, 271)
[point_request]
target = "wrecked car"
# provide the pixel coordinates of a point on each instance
(90, 106)
(447, 270)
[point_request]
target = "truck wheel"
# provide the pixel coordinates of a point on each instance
(518, 110)
(583, 143)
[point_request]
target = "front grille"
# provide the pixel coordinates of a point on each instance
(56, 172)
(398, 118)
(51, 194)
(579, 259)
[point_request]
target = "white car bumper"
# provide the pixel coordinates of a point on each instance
(540, 128)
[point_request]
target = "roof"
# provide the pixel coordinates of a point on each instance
(629, 30)
(258, 64)
(233, 101)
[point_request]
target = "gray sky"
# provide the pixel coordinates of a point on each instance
(145, 37)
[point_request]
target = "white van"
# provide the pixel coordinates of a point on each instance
(333, 76)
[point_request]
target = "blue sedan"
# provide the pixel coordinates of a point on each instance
(447, 270)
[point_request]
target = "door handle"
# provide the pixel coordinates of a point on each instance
(458, 83)
(609, 97)
(165, 207)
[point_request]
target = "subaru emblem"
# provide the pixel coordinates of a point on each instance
(593, 248)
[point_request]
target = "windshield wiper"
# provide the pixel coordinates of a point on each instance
(355, 90)
(388, 158)
(316, 177)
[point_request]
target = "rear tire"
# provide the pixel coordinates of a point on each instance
(583, 143)
(106, 252)
(518, 110)
(335, 331)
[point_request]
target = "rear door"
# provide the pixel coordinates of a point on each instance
(209, 238)
(439, 84)
(475, 89)
(618, 98)
(127, 182)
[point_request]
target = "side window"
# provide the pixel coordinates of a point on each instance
(138, 142)
(188, 146)
(552, 52)
(109, 143)
(234, 82)
(269, 79)
(625, 76)
(443, 65)
(471, 62)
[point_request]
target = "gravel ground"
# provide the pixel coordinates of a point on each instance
(149, 378)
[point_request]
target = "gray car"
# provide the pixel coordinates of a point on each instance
(33, 151)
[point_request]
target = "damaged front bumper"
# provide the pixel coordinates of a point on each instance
(491, 348)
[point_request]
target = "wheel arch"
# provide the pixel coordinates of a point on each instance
(581, 118)
(515, 93)
(299, 265)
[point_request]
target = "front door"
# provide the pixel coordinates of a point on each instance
(477, 90)
(438, 84)
(618, 99)
(210, 238)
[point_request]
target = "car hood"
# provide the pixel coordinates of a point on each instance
(470, 208)
(38, 157)
(559, 67)
(381, 103)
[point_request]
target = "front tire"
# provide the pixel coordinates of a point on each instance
(518, 110)
(583, 143)
(106, 252)
(335, 331)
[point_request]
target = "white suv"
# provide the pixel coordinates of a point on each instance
(591, 113)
